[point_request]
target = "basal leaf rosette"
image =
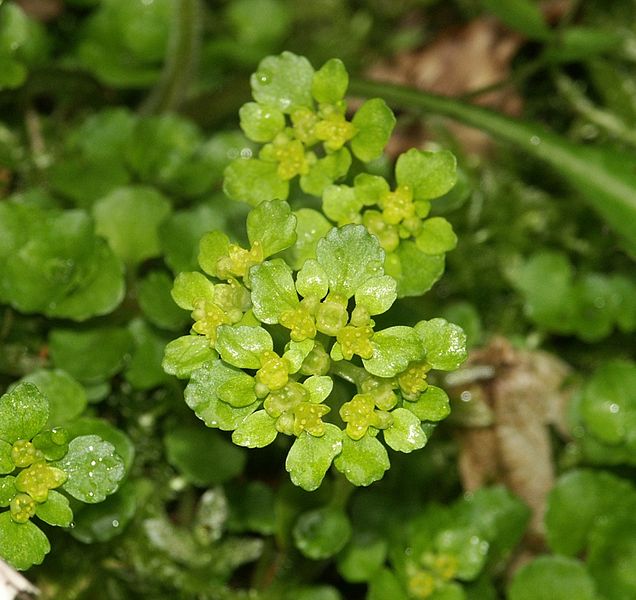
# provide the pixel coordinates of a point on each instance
(35, 462)
(262, 384)
(415, 244)
(299, 114)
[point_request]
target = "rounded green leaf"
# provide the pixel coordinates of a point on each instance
(393, 349)
(254, 181)
(273, 224)
(552, 578)
(74, 351)
(238, 391)
(608, 405)
(7, 489)
(191, 287)
(186, 354)
(261, 123)
(256, 431)
(242, 346)
(612, 554)
(93, 467)
(377, 295)
(319, 387)
(203, 456)
(311, 227)
(436, 236)
(350, 256)
(578, 500)
(180, 233)
(94, 426)
(311, 280)
(545, 281)
(385, 584)
(405, 433)
(156, 303)
(469, 549)
(330, 82)
(129, 219)
(273, 290)
(432, 405)
(444, 342)
(374, 121)
(362, 461)
(106, 520)
(56, 510)
(283, 82)
(325, 171)
(296, 352)
(341, 204)
(201, 397)
(22, 545)
(363, 556)
(310, 457)
(428, 174)
(321, 533)
(213, 246)
(66, 397)
(6, 463)
(24, 412)
(414, 271)
(99, 293)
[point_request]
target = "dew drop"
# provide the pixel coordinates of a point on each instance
(535, 140)
(91, 448)
(263, 77)
(93, 463)
(71, 525)
(90, 494)
(466, 396)
(614, 408)
(115, 523)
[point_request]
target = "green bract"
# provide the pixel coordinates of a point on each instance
(35, 461)
(271, 331)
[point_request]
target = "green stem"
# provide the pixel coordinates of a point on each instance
(605, 180)
(181, 58)
(342, 490)
(604, 119)
(348, 371)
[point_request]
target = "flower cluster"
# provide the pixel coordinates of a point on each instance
(278, 337)
(36, 461)
(300, 116)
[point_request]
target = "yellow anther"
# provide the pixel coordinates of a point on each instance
(239, 261)
(274, 371)
(208, 316)
(421, 585)
(38, 479)
(24, 453)
(397, 205)
(446, 566)
(22, 508)
(300, 322)
(359, 414)
(387, 235)
(412, 381)
(356, 340)
(291, 159)
(304, 120)
(334, 131)
(308, 417)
